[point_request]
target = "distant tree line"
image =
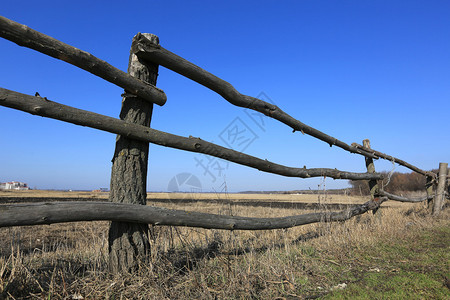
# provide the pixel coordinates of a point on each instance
(398, 182)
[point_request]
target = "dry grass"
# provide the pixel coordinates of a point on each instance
(68, 261)
(52, 194)
(217, 197)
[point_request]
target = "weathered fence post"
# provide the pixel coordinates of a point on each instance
(128, 242)
(429, 185)
(373, 184)
(439, 199)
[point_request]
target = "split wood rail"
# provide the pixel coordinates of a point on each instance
(146, 55)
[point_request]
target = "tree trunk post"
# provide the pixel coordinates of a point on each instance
(430, 187)
(439, 199)
(128, 242)
(373, 184)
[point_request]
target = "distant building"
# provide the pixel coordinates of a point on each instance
(14, 185)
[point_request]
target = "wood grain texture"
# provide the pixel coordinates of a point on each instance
(129, 244)
(439, 200)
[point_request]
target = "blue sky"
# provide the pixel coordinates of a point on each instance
(352, 69)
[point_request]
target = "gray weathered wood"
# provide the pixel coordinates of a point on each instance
(396, 160)
(50, 109)
(27, 37)
(403, 199)
(373, 184)
(129, 242)
(439, 200)
(430, 195)
(161, 56)
(59, 212)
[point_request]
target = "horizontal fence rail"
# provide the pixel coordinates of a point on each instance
(145, 50)
(403, 199)
(163, 57)
(396, 160)
(27, 37)
(157, 54)
(43, 107)
(61, 212)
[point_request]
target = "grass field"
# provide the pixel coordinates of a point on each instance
(400, 253)
(217, 197)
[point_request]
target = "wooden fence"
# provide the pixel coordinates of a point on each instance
(146, 56)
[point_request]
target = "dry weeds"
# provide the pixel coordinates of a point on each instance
(68, 261)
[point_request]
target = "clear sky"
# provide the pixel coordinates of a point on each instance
(352, 69)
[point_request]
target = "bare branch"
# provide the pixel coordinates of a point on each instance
(397, 160)
(402, 199)
(161, 56)
(61, 212)
(27, 37)
(43, 107)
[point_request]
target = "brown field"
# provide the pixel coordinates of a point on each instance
(69, 261)
(216, 197)
(51, 194)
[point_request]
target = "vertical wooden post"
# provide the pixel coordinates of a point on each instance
(448, 187)
(128, 242)
(373, 184)
(448, 184)
(429, 185)
(439, 199)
